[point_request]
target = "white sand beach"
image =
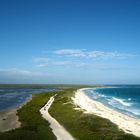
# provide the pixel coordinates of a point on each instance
(124, 122)
(59, 131)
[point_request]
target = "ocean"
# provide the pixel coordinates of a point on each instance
(125, 99)
(14, 97)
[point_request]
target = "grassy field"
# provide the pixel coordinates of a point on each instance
(81, 126)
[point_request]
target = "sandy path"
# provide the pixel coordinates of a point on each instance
(58, 130)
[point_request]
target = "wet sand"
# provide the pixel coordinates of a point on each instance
(9, 120)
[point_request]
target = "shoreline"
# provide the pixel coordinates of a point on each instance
(9, 119)
(124, 122)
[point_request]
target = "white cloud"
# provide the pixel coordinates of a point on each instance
(63, 64)
(86, 66)
(18, 73)
(71, 52)
(19, 76)
(41, 59)
(43, 65)
(78, 58)
(70, 63)
(91, 54)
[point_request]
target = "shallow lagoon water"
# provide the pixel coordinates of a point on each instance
(14, 97)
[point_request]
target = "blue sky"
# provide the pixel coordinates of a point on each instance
(70, 41)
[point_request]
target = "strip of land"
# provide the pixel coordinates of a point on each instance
(82, 126)
(58, 130)
(124, 122)
(9, 120)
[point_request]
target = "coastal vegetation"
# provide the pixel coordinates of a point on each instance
(33, 126)
(84, 126)
(81, 125)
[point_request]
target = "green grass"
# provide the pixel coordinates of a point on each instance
(81, 126)
(33, 127)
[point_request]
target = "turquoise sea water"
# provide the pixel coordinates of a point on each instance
(125, 99)
(14, 97)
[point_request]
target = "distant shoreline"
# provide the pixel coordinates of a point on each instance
(124, 122)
